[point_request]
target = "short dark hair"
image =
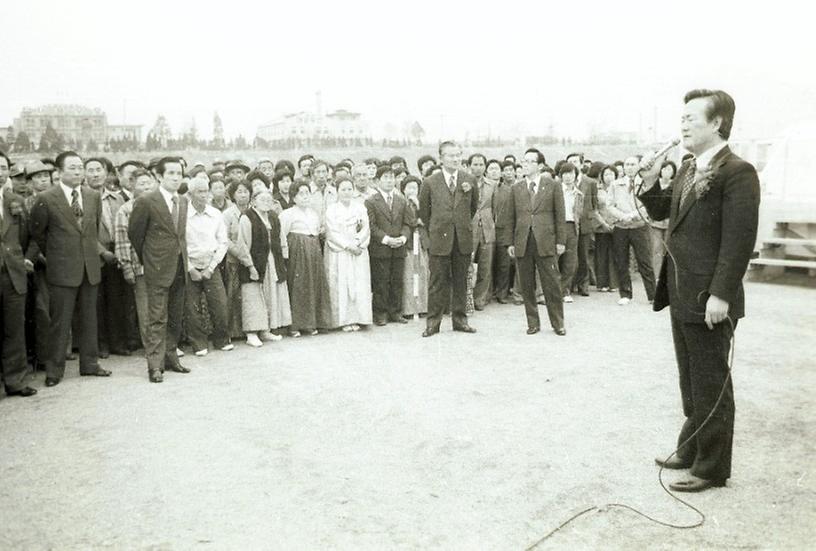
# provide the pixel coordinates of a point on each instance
(565, 167)
(279, 175)
(541, 159)
(295, 189)
(397, 159)
(548, 170)
(671, 164)
(306, 157)
(720, 104)
(491, 161)
(257, 175)
(131, 162)
(235, 184)
(164, 161)
(104, 161)
(506, 163)
(470, 159)
(284, 163)
(579, 155)
(48, 161)
(383, 170)
(196, 170)
(424, 159)
(614, 170)
(408, 179)
(342, 179)
(60, 160)
(510, 156)
(372, 161)
(139, 172)
(595, 169)
(316, 163)
(446, 143)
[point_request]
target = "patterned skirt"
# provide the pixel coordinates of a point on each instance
(308, 287)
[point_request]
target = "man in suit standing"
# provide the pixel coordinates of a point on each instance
(503, 266)
(589, 188)
(712, 206)
(157, 231)
(65, 223)
(390, 221)
(13, 280)
(484, 232)
(537, 216)
(448, 201)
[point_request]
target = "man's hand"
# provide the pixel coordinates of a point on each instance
(108, 257)
(355, 250)
(195, 275)
(511, 251)
(559, 249)
(130, 278)
(716, 311)
(29, 266)
(650, 175)
(253, 274)
(206, 273)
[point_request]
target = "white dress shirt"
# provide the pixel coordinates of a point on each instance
(207, 240)
(168, 198)
(69, 191)
(704, 158)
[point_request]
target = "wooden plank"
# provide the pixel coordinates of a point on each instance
(810, 264)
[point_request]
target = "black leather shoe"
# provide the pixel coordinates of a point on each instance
(104, 354)
(430, 332)
(178, 368)
(379, 323)
(399, 320)
(156, 377)
(98, 373)
(560, 331)
(501, 300)
(465, 329)
(51, 381)
(25, 392)
(478, 307)
(673, 463)
(695, 484)
(533, 330)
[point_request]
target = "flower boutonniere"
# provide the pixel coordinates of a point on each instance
(16, 207)
(702, 185)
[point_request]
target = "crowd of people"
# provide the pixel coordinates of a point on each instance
(155, 256)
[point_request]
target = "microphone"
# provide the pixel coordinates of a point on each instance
(646, 164)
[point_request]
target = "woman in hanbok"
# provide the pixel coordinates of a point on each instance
(415, 281)
(264, 290)
(346, 259)
(240, 193)
(300, 243)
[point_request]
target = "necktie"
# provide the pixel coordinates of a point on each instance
(688, 181)
(532, 187)
(75, 206)
(452, 183)
(174, 213)
(389, 201)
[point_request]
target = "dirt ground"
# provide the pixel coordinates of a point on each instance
(383, 440)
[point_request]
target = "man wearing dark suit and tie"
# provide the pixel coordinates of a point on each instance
(13, 282)
(65, 223)
(448, 201)
(712, 206)
(537, 216)
(157, 231)
(390, 221)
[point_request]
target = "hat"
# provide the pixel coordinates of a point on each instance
(17, 169)
(35, 167)
(236, 164)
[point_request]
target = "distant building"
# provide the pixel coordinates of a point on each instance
(340, 124)
(74, 123)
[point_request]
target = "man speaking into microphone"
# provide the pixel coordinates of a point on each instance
(712, 206)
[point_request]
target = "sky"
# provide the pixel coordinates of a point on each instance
(459, 69)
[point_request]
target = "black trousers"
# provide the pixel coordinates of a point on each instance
(702, 358)
(448, 287)
(586, 269)
(386, 284)
(568, 262)
(215, 297)
(603, 259)
(14, 368)
(550, 278)
(640, 240)
(38, 317)
(165, 310)
(112, 309)
(62, 305)
(502, 270)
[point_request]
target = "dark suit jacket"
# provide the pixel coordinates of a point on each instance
(711, 238)
(70, 251)
(501, 214)
(157, 243)
(396, 222)
(544, 214)
(446, 214)
(589, 214)
(14, 239)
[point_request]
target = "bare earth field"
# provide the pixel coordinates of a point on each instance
(384, 440)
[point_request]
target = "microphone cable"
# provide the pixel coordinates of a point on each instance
(701, 516)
